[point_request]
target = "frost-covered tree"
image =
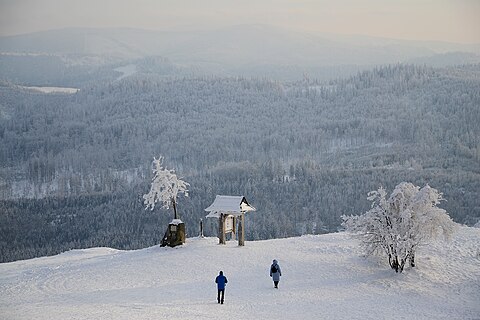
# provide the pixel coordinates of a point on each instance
(165, 187)
(397, 225)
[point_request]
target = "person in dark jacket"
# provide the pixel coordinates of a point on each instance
(221, 282)
(275, 273)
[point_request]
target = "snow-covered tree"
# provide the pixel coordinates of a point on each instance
(165, 187)
(397, 225)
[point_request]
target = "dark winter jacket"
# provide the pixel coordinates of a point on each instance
(275, 275)
(221, 281)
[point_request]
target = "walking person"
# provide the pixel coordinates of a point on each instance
(221, 282)
(275, 273)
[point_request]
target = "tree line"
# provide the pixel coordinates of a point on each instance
(73, 167)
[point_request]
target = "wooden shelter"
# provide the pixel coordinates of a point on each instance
(230, 210)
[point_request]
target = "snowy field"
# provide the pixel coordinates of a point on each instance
(127, 71)
(53, 89)
(324, 277)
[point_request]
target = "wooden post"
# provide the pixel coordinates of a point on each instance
(241, 230)
(221, 229)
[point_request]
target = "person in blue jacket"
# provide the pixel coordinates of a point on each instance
(221, 282)
(275, 273)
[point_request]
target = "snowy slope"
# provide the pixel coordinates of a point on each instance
(324, 277)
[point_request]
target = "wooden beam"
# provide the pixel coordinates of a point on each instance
(241, 230)
(221, 229)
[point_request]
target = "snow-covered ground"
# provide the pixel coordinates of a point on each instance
(324, 277)
(53, 89)
(127, 71)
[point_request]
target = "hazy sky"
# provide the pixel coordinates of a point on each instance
(447, 20)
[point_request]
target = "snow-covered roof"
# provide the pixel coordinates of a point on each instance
(233, 205)
(176, 222)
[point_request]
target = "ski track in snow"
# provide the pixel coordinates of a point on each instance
(324, 277)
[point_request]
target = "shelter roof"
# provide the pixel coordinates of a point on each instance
(234, 205)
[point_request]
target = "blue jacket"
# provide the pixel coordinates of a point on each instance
(221, 280)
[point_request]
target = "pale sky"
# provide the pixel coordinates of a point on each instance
(444, 20)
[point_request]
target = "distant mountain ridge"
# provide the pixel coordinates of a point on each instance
(232, 46)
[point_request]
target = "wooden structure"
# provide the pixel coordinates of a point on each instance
(230, 210)
(175, 234)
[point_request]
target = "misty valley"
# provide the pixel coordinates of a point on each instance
(305, 148)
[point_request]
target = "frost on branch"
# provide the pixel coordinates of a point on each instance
(164, 188)
(397, 225)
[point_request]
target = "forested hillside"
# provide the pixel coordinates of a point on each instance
(73, 168)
